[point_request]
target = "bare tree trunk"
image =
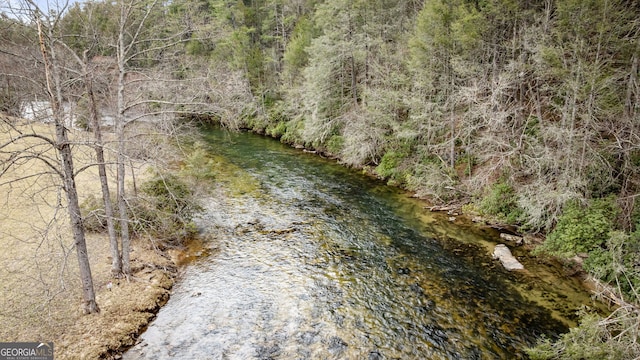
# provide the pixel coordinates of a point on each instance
(452, 149)
(449, 93)
(452, 119)
(88, 294)
(632, 84)
(116, 262)
(129, 35)
(120, 119)
(64, 149)
(354, 82)
(122, 209)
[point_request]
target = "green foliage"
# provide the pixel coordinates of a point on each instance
(617, 263)
(83, 117)
(446, 31)
(277, 119)
(296, 55)
(93, 214)
(90, 26)
(197, 48)
(9, 100)
(335, 144)
(168, 193)
(198, 164)
(502, 203)
(165, 210)
(389, 164)
(278, 130)
(292, 134)
(532, 127)
(600, 182)
(586, 342)
(581, 229)
(635, 158)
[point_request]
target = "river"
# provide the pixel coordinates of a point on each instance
(309, 260)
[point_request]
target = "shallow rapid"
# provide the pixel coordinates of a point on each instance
(308, 260)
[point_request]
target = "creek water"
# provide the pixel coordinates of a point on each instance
(309, 260)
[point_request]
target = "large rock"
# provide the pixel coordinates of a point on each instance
(502, 253)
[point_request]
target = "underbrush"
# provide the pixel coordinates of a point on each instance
(163, 210)
(612, 257)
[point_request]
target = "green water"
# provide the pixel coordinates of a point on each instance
(310, 260)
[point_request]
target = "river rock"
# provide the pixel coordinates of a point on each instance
(518, 240)
(478, 219)
(502, 253)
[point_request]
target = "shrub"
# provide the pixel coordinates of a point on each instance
(277, 119)
(618, 263)
(278, 130)
(93, 214)
(166, 209)
(581, 229)
(614, 257)
(10, 102)
(199, 164)
(389, 164)
(394, 164)
(502, 203)
(431, 180)
(83, 115)
(589, 341)
(292, 132)
(335, 144)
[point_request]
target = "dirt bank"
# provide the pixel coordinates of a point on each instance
(126, 308)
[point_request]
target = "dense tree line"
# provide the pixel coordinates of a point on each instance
(536, 102)
(527, 111)
(541, 97)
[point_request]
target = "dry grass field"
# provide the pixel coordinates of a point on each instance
(39, 282)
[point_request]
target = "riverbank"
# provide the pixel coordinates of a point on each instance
(126, 307)
(40, 298)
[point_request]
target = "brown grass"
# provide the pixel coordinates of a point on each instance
(39, 283)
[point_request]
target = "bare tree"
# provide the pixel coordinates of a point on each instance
(116, 262)
(51, 65)
(149, 51)
(81, 47)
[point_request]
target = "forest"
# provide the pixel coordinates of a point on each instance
(526, 112)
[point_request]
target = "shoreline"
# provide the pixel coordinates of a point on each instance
(127, 307)
(160, 292)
